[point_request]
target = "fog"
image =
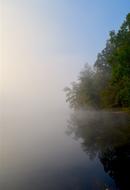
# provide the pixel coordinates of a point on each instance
(32, 66)
(36, 63)
(106, 136)
(33, 111)
(32, 76)
(31, 91)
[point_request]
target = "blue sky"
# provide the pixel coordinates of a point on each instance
(82, 27)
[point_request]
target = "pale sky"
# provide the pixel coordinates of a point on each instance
(45, 43)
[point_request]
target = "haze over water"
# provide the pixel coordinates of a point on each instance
(39, 57)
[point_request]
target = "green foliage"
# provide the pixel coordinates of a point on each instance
(83, 93)
(120, 63)
(107, 84)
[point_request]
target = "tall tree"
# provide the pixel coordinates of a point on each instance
(107, 84)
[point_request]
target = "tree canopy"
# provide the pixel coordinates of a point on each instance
(107, 83)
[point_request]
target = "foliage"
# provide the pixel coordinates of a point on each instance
(84, 92)
(107, 84)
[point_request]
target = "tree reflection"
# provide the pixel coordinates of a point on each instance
(106, 135)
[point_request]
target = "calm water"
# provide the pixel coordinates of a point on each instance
(56, 150)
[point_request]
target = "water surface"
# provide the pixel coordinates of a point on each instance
(52, 149)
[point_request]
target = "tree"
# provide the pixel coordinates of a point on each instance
(107, 84)
(119, 60)
(82, 93)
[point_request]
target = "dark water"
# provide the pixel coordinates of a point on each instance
(54, 150)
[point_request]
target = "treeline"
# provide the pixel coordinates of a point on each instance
(107, 83)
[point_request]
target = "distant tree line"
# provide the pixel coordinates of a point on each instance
(107, 83)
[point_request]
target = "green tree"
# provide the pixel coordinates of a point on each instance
(82, 93)
(107, 84)
(119, 60)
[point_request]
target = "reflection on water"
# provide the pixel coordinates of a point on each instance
(106, 136)
(36, 153)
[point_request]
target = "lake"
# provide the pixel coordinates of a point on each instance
(55, 149)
